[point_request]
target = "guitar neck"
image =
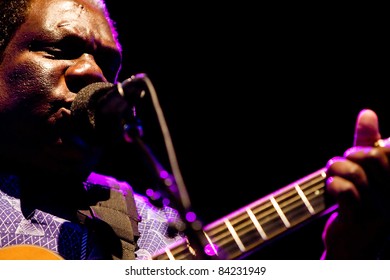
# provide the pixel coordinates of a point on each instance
(251, 226)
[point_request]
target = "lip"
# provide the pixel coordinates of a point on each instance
(62, 123)
(64, 112)
(67, 142)
(62, 116)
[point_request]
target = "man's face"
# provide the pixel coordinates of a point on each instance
(63, 46)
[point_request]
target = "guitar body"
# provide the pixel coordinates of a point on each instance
(27, 252)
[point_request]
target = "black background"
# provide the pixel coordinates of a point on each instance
(255, 97)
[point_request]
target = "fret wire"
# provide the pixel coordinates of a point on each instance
(169, 254)
(265, 211)
(313, 184)
(318, 203)
(243, 222)
(305, 200)
(243, 233)
(224, 236)
(235, 236)
(257, 224)
(220, 228)
(227, 247)
(226, 239)
(174, 251)
(286, 195)
(288, 200)
(316, 180)
(266, 214)
(211, 243)
(315, 194)
(280, 212)
(291, 207)
(247, 231)
(304, 185)
(219, 232)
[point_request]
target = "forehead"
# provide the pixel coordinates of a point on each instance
(84, 16)
(98, 3)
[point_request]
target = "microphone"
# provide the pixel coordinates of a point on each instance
(103, 112)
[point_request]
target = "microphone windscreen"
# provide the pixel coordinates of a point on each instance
(84, 106)
(87, 97)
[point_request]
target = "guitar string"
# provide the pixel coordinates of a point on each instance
(267, 214)
(266, 210)
(288, 203)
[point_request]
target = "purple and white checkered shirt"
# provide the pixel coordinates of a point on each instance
(46, 230)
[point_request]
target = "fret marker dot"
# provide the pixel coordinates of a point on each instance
(208, 249)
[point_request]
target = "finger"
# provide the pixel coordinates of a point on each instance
(347, 197)
(349, 170)
(374, 162)
(368, 170)
(338, 186)
(366, 129)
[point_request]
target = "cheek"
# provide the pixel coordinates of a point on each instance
(30, 104)
(29, 87)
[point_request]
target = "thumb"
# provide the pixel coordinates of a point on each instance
(367, 128)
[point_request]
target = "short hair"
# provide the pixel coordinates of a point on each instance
(12, 15)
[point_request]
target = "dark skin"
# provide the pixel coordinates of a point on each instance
(360, 181)
(63, 46)
(67, 44)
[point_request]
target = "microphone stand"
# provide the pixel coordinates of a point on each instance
(169, 191)
(115, 117)
(104, 113)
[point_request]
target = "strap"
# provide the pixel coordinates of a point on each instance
(114, 204)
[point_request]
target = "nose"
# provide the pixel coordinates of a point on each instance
(82, 72)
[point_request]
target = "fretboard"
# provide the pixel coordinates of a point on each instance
(244, 230)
